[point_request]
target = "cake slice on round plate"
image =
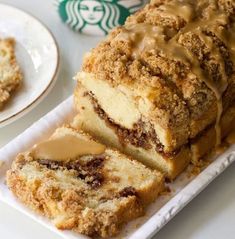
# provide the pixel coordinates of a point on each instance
(10, 73)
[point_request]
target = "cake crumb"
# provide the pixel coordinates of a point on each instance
(166, 191)
(198, 167)
(1, 163)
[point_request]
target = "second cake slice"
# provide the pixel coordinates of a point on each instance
(82, 185)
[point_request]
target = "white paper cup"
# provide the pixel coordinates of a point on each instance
(96, 17)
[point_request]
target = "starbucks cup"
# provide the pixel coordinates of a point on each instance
(96, 17)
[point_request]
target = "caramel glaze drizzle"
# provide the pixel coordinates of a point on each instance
(146, 37)
(66, 147)
(182, 8)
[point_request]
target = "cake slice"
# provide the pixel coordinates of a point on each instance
(81, 185)
(10, 73)
(156, 83)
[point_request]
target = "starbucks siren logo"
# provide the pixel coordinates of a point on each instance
(96, 17)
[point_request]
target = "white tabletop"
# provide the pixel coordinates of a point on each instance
(210, 215)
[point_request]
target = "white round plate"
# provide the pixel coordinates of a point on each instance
(38, 57)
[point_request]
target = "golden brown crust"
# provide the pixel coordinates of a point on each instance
(228, 6)
(112, 61)
(71, 216)
(10, 73)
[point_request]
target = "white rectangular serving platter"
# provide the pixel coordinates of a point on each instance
(183, 190)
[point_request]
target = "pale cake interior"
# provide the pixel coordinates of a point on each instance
(89, 121)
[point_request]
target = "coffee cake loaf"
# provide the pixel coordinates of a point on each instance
(10, 73)
(82, 185)
(160, 81)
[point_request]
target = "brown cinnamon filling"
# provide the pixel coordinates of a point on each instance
(138, 136)
(128, 191)
(90, 171)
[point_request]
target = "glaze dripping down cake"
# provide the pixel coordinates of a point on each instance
(159, 86)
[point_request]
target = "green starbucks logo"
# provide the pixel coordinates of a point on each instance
(96, 17)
